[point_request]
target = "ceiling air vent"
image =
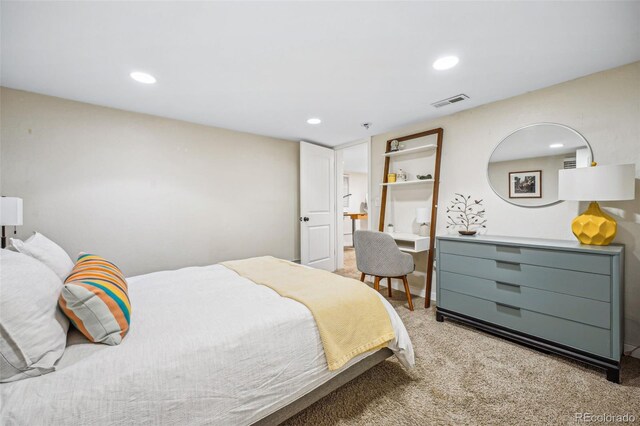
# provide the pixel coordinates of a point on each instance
(449, 101)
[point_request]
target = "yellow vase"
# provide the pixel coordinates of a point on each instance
(594, 226)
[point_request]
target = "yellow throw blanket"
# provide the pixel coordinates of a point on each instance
(350, 316)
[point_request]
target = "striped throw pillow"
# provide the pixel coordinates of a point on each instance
(95, 300)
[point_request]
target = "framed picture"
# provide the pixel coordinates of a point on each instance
(525, 184)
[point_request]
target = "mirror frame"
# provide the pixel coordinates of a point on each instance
(525, 127)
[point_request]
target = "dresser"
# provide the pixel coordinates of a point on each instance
(557, 296)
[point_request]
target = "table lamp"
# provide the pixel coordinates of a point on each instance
(422, 218)
(597, 183)
(10, 214)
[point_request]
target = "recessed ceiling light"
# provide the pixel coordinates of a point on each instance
(446, 63)
(556, 145)
(314, 121)
(143, 77)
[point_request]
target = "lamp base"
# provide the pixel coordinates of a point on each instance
(594, 227)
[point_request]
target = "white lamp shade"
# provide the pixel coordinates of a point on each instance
(422, 215)
(10, 211)
(599, 183)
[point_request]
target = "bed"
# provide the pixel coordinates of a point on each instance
(206, 346)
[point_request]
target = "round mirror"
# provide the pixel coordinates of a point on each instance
(523, 169)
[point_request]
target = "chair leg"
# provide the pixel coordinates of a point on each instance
(389, 287)
(376, 284)
(406, 290)
(362, 276)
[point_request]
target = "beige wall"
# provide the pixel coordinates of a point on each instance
(148, 192)
(604, 107)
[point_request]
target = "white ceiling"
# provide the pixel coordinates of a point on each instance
(267, 67)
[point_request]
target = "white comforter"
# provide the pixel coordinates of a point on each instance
(205, 347)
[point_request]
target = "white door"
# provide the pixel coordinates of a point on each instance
(317, 206)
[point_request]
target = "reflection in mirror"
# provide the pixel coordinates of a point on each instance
(523, 169)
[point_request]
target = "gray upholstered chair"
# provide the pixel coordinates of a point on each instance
(378, 255)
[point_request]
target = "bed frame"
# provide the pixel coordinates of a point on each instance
(324, 389)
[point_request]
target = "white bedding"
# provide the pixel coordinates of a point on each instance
(206, 346)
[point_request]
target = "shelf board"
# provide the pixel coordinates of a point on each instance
(410, 250)
(405, 236)
(417, 244)
(408, 182)
(407, 151)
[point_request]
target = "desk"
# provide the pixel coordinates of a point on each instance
(410, 243)
(354, 217)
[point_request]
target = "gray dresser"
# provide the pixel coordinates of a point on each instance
(558, 296)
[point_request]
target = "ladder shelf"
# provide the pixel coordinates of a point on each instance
(409, 242)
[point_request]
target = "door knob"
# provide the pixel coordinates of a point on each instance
(305, 219)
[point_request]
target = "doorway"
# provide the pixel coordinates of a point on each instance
(353, 201)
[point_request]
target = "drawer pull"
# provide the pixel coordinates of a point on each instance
(504, 305)
(506, 262)
(508, 249)
(508, 265)
(510, 286)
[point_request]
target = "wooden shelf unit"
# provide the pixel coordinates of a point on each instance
(410, 243)
(407, 182)
(430, 147)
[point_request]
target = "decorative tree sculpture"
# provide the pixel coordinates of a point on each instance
(466, 213)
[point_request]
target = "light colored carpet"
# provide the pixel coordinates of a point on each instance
(464, 376)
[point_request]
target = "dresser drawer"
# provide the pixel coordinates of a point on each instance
(569, 333)
(592, 286)
(595, 263)
(580, 309)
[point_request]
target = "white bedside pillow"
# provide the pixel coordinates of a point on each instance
(46, 251)
(33, 330)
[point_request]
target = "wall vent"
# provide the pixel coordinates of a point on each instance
(569, 163)
(449, 101)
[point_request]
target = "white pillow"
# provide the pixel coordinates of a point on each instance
(33, 330)
(46, 251)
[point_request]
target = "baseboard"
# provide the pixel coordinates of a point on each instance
(629, 348)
